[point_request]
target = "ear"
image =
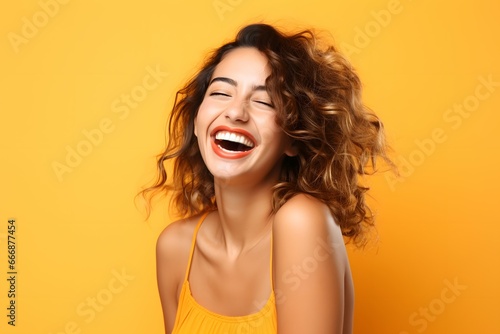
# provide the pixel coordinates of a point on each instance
(291, 149)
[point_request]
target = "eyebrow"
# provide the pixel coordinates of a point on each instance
(234, 83)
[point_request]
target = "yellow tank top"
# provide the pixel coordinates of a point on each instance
(192, 318)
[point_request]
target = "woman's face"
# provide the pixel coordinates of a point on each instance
(236, 128)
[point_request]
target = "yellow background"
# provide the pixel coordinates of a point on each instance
(438, 224)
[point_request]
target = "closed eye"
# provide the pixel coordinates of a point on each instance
(219, 94)
(270, 105)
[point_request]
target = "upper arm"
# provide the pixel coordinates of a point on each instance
(309, 268)
(169, 260)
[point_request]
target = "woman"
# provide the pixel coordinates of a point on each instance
(268, 142)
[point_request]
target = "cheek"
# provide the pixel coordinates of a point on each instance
(269, 128)
(203, 118)
(200, 120)
(274, 135)
(196, 127)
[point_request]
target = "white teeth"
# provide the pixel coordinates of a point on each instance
(236, 138)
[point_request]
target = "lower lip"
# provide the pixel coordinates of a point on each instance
(228, 154)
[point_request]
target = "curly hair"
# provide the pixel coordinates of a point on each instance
(317, 97)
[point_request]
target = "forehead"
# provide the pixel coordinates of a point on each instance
(243, 62)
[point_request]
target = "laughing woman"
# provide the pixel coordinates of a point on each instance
(269, 141)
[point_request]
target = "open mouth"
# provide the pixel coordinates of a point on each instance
(233, 142)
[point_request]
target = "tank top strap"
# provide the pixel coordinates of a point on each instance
(271, 263)
(193, 243)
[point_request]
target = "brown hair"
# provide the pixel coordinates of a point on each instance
(317, 97)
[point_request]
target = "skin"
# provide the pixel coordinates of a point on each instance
(230, 272)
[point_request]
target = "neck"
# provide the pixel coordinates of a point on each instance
(244, 215)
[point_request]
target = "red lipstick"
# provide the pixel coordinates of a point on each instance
(223, 153)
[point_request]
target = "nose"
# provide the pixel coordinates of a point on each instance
(237, 111)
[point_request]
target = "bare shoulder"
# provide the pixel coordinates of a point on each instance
(306, 216)
(172, 255)
(310, 267)
(176, 237)
(301, 204)
(173, 246)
